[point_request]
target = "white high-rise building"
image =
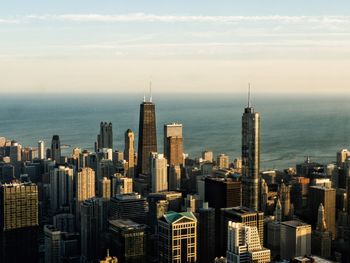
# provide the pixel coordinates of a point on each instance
(243, 245)
(159, 173)
(41, 150)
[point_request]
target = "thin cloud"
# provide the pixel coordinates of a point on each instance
(143, 17)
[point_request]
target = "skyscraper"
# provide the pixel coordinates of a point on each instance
(173, 143)
(129, 153)
(61, 189)
(19, 223)
(295, 239)
(85, 188)
(243, 244)
(147, 142)
(206, 234)
(159, 173)
(41, 150)
(56, 149)
(321, 239)
(90, 229)
(177, 237)
(250, 157)
(104, 188)
(128, 240)
(223, 161)
(325, 196)
(105, 138)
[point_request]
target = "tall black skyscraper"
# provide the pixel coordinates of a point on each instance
(105, 138)
(56, 149)
(250, 157)
(147, 142)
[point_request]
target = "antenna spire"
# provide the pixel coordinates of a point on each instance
(150, 91)
(248, 95)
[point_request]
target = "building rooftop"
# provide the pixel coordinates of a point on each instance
(295, 223)
(172, 216)
(126, 224)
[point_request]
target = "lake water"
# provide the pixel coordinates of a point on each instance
(292, 127)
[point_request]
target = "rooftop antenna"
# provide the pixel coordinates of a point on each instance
(248, 95)
(150, 91)
(144, 97)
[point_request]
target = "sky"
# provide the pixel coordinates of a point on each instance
(85, 46)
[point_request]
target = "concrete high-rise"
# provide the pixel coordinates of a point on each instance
(61, 189)
(85, 188)
(41, 150)
(177, 237)
(128, 240)
(295, 239)
(105, 138)
(230, 196)
(173, 143)
(19, 223)
(250, 157)
(147, 142)
(240, 214)
(325, 196)
(321, 238)
(56, 149)
(129, 152)
(243, 245)
(223, 161)
(52, 239)
(104, 188)
(159, 173)
(206, 234)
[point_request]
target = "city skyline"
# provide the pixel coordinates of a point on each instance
(117, 47)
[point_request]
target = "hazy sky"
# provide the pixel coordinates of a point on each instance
(181, 45)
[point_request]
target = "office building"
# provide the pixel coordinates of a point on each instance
(173, 143)
(207, 156)
(64, 222)
(159, 173)
(250, 157)
(93, 223)
(19, 222)
(147, 141)
(284, 193)
(295, 239)
(128, 241)
(129, 152)
(240, 214)
(326, 196)
(244, 245)
(274, 230)
(223, 161)
(56, 149)
(174, 198)
(85, 188)
(129, 206)
(41, 150)
(177, 237)
(122, 185)
(321, 238)
(52, 239)
(230, 196)
(104, 188)
(105, 138)
(206, 234)
(61, 189)
(174, 177)
(342, 155)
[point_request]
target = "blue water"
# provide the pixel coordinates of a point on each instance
(291, 126)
